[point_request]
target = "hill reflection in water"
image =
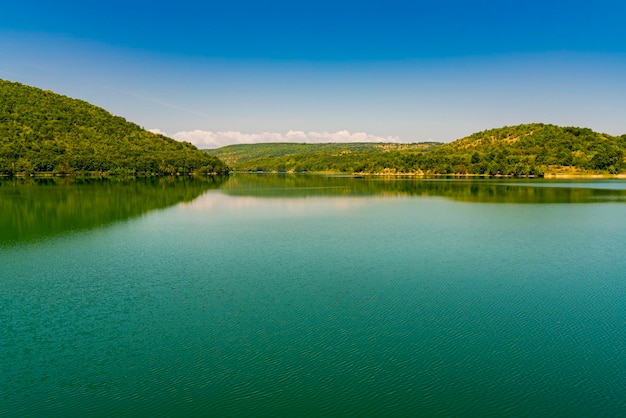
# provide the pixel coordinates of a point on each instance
(477, 190)
(37, 208)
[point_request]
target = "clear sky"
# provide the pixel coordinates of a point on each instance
(237, 71)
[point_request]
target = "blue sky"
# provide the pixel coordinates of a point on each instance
(250, 71)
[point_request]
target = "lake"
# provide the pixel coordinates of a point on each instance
(283, 295)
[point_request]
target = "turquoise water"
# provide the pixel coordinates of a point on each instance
(311, 296)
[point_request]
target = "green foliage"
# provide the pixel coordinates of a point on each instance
(523, 150)
(330, 157)
(43, 132)
(536, 149)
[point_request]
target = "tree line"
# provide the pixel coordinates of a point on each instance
(522, 150)
(43, 132)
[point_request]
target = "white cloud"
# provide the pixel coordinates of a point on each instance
(157, 131)
(210, 139)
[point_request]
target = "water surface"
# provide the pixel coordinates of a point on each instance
(318, 296)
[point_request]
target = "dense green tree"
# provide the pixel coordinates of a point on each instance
(41, 131)
(533, 149)
(608, 158)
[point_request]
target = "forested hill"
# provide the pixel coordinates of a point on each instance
(531, 149)
(43, 132)
(329, 157)
(536, 147)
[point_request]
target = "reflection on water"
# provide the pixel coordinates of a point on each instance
(42, 207)
(466, 190)
(273, 296)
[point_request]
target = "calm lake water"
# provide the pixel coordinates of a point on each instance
(267, 295)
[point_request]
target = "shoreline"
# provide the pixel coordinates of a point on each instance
(564, 176)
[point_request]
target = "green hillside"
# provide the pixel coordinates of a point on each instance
(43, 132)
(531, 149)
(330, 157)
(534, 149)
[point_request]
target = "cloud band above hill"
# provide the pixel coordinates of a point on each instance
(210, 139)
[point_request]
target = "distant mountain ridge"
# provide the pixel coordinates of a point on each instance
(530, 149)
(44, 132)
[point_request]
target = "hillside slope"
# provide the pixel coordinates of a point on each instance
(530, 149)
(537, 148)
(334, 157)
(43, 132)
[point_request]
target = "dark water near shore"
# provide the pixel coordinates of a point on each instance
(313, 296)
